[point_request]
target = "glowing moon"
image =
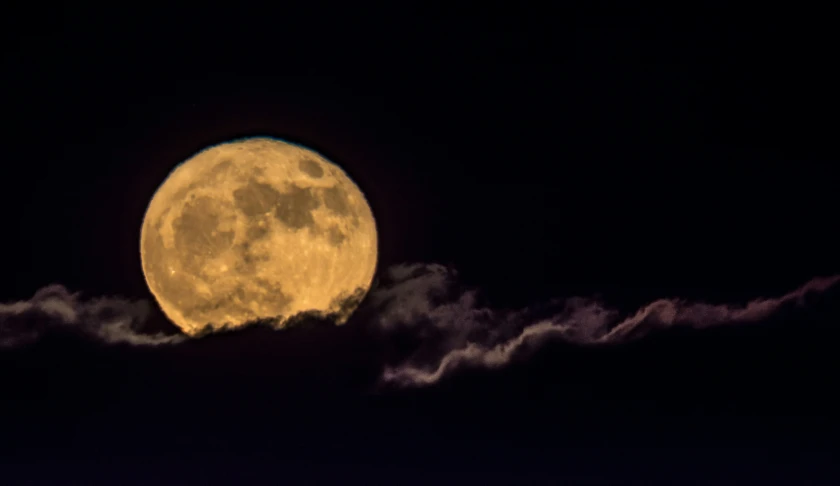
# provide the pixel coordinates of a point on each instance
(257, 229)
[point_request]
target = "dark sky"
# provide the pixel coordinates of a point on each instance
(542, 154)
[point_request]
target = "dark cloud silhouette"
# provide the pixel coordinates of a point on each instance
(110, 319)
(421, 299)
(116, 320)
(420, 304)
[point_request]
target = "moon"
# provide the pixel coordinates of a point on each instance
(257, 229)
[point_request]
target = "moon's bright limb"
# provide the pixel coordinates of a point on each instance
(257, 229)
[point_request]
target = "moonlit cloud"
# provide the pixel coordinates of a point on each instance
(420, 299)
(420, 304)
(110, 319)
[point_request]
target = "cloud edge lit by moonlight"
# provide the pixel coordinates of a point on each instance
(424, 302)
(413, 295)
(113, 320)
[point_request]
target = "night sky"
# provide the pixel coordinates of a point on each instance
(542, 155)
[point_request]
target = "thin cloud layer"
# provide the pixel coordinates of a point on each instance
(420, 304)
(455, 332)
(110, 319)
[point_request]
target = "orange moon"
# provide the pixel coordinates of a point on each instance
(257, 229)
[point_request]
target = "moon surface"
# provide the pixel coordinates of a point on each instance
(257, 229)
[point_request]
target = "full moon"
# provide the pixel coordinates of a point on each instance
(257, 229)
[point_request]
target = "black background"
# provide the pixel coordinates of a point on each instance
(542, 153)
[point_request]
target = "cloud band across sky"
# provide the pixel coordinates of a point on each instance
(448, 328)
(418, 298)
(110, 319)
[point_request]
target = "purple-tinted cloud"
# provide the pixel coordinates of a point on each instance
(448, 327)
(110, 319)
(418, 298)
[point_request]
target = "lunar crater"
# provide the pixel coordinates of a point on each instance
(294, 208)
(335, 200)
(203, 226)
(311, 168)
(256, 198)
(335, 236)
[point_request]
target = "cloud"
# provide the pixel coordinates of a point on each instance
(453, 331)
(110, 319)
(437, 326)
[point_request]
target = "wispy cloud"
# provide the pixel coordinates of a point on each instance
(110, 319)
(422, 304)
(455, 332)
